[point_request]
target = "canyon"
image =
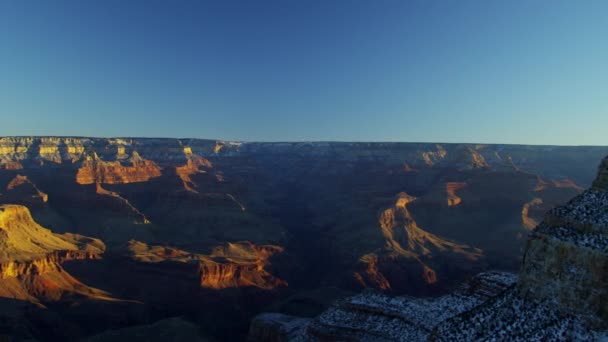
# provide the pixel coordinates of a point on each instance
(143, 230)
(560, 294)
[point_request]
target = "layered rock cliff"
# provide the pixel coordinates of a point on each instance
(31, 257)
(233, 265)
(18, 152)
(94, 170)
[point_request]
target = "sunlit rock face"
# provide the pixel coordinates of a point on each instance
(195, 164)
(234, 265)
(411, 253)
(94, 170)
(31, 257)
(451, 188)
(566, 259)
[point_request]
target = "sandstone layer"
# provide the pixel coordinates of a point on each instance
(94, 170)
(234, 265)
(31, 257)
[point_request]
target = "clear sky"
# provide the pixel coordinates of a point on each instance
(529, 71)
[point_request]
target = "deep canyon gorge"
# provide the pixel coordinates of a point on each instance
(100, 235)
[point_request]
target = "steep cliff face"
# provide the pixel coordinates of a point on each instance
(566, 258)
(234, 265)
(31, 257)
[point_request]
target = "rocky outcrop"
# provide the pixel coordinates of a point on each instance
(372, 316)
(94, 170)
(31, 257)
(451, 188)
(408, 252)
(233, 265)
(526, 219)
(487, 307)
(508, 317)
(601, 182)
(195, 164)
(566, 258)
(372, 276)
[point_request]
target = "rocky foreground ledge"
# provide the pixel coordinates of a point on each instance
(487, 307)
(561, 293)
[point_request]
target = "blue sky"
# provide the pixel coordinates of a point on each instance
(526, 72)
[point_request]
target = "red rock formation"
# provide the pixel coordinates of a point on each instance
(450, 189)
(31, 257)
(233, 265)
(94, 170)
(528, 221)
(404, 237)
(192, 167)
(372, 277)
(405, 258)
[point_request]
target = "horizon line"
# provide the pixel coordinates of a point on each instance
(296, 141)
